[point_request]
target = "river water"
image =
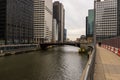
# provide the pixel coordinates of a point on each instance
(59, 63)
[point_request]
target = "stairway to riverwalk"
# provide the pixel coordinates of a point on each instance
(107, 65)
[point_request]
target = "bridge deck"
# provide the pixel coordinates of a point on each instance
(59, 43)
(45, 45)
(107, 65)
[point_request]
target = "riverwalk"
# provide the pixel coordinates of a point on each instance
(107, 65)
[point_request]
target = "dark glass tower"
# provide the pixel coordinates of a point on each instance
(59, 15)
(2, 21)
(16, 21)
(90, 23)
(118, 23)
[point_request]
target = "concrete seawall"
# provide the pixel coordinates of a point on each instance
(17, 51)
(6, 50)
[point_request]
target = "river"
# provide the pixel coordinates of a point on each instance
(59, 63)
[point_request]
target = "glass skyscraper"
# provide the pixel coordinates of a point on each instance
(59, 15)
(90, 23)
(16, 21)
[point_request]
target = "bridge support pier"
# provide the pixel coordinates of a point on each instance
(43, 47)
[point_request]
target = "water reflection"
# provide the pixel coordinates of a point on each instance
(59, 63)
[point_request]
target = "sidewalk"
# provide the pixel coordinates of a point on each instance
(107, 65)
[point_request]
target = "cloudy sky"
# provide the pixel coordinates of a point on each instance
(75, 13)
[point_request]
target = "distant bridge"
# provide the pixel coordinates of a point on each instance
(45, 45)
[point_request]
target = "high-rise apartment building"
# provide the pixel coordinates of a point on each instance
(16, 21)
(106, 19)
(59, 15)
(43, 11)
(55, 31)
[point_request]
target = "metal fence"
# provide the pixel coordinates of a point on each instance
(88, 73)
(114, 42)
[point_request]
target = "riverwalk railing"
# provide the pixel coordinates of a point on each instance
(88, 72)
(112, 44)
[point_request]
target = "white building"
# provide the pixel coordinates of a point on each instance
(55, 31)
(43, 11)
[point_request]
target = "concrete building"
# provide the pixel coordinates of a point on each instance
(77, 39)
(43, 11)
(16, 21)
(59, 15)
(82, 38)
(55, 31)
(106, 19)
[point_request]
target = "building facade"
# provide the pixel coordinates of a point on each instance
(65, 34)
(87, 28)
(59, 15)
(118, 13)
(106, 19)
(55, 31)
(43, 12)
(16, 21)
(90, 23)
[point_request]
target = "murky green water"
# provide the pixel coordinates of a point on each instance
(59, 63)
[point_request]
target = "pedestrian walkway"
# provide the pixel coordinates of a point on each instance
(107, 65)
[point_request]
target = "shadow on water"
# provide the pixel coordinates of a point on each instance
(59, 63)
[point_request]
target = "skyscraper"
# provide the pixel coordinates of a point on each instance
(55, 31)
(16, 21)
(59, 15)
(87, 26)
(65, 34)
(90, 23)
(118, 17)
(106, 19)
(43, 11)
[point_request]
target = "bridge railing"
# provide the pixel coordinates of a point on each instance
(88, 72)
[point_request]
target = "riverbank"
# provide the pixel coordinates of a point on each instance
(17, 51)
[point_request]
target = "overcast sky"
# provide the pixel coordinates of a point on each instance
(75, 13)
